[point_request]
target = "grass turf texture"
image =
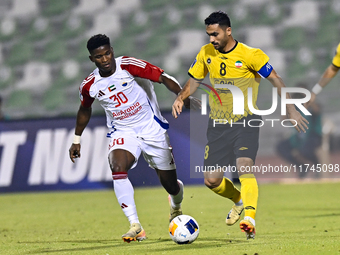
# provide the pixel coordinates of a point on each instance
(291, 219)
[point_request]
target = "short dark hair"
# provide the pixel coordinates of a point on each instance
(96, 41)
(219, 17)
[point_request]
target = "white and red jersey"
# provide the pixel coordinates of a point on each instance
(130, 106)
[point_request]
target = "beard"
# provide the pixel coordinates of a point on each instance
(220, 46)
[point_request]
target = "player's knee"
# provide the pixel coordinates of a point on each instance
(212, 182)
(115, 168)
(244, 162)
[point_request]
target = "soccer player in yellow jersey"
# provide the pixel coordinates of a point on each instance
(327, 76)
(231, 62)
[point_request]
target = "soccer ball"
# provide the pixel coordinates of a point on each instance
(183, 229)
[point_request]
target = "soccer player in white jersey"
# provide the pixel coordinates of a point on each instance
(135, 123)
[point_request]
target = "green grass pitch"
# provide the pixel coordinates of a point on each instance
(291, 219)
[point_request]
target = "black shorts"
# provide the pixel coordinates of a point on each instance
(226, 143)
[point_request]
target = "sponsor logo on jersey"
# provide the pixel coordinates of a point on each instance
(224, 81)
(223, 91)
(224, 58)
(193, 63)
(112, 88)
(122, 114)
(101, 93)
(243, 148)
(123, 206)
(249, 208)
(124, 84)
(209, 61)
(238, 64)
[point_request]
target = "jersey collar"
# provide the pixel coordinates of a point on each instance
(230, 49)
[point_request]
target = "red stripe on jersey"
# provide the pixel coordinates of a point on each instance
(141, 68)
(86, 99)
(119, 175)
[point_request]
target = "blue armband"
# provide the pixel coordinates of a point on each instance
(265, 70)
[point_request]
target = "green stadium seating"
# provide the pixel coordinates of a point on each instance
(55, 7)
(124, 46)
(328, 33)
(72, 27)
(54, 98)
(55, 50)
(150, 5)
(39, 29)
(82, 52)
(190, 4)
(20, 53)
(58, 32)
(270, 15)
(291, 37)
(6, 78)
(8, 29)
(157, 45)
(19, 100)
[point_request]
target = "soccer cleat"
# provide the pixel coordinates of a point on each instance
(136, 233)
(173, 212)
(248, 227)
(234, 215)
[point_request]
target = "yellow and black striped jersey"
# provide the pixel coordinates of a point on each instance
(336, 58)
(238, 67)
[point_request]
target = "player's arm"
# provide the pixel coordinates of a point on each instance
(172, 84)
(326, 77)
(83, 118)
(189, 88)
(143, 69)
(292, 113)
(197, 72)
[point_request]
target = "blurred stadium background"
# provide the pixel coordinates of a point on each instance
(43, 55)
(43, 60)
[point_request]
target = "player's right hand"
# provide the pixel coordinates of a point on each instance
(74, 151)
(177, 107)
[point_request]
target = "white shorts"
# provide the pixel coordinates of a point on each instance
(156, 151)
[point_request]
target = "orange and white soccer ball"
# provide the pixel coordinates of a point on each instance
(183, 229)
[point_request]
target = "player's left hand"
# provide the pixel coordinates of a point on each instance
(74, 151)
(192, 103)
(301, 122)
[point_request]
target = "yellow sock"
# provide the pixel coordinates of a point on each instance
(249, 194)
(228, 190)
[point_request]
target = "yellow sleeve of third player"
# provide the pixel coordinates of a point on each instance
(198, 70)
(336, 59)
